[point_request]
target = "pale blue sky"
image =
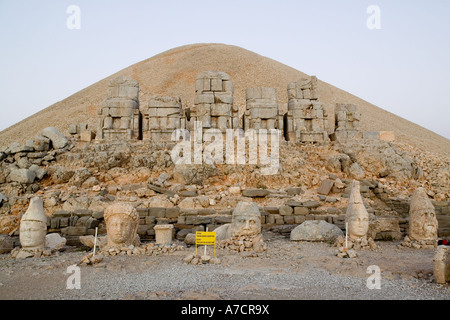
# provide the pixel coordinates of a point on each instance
(404, 67)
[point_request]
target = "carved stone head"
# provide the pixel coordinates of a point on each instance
(357, 215)
(423, 224)
(121, 224)
(246, 220)
(33, 226)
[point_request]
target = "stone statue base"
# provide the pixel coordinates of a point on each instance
(20, 253)
(418, 244)
(356, 244)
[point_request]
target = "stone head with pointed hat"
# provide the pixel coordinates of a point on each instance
(356, 214)
(122, 221)
(33, 226)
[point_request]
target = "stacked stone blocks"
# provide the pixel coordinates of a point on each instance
(119, 116)
(162, 116)
(306, 119)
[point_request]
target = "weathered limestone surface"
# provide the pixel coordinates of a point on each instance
(315, 230)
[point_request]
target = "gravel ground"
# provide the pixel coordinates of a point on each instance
(287, 271)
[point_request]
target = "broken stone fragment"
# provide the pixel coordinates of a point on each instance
(58, 140)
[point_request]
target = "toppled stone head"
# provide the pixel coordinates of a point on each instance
(121, 225)
(423, 224)
(357, 215)
(33, 226)
(246, 220)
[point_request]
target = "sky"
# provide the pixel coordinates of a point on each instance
(396, 57)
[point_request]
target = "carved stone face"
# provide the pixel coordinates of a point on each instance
(32, 234)
(245, 225)
(358, 226)
(422, 217)
(357, 215)
(121, 230)
(424, 225)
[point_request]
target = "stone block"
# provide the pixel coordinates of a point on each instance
(294, 203)
(221, 109)
(196, 220)
(157, 212)
(73, 128)
(325, 187)
(74, 231)
(294, 191)
(286, 210)
(279, 220)
(87, 136)
(172, 212)
(22, 176)
(310, 204)
(142, 229)
(255, 193)
(270, 219)
(6, 244)
(222, 219)
(63, 222)
(61, 213)
(58, 140)
(150, 220)
(271, 210)
(143, 212)
(204, 98)
(301, 211)
(299, 219)
(289, 219)
(206, 212)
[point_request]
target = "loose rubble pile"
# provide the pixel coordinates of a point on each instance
(150, 249)
(365, 243)
(196, 259)
(19, 253)
(417, 244)
(244, 243)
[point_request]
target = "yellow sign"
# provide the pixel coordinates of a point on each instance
(205, 239)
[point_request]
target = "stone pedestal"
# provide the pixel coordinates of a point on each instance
(163, 233)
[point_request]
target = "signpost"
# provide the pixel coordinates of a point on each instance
(205, 239)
